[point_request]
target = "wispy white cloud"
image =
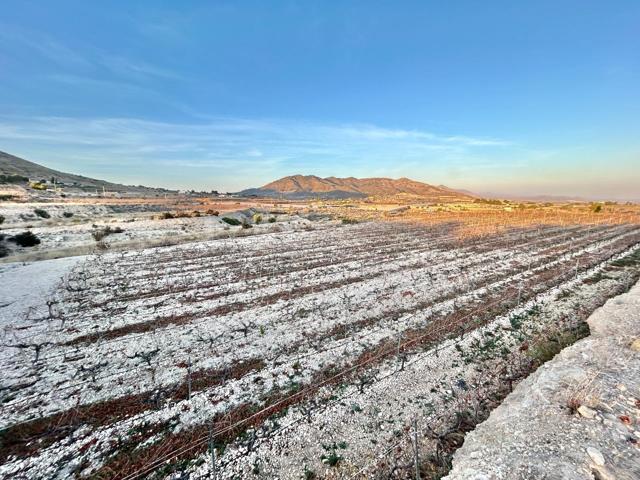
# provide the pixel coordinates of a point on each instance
(85, 65)
(238, 152)
(128, 67)
(42, 45)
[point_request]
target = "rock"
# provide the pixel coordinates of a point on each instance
(586, 412)
(531, 436)
(635, 345)
(596, 456)
(601, 473)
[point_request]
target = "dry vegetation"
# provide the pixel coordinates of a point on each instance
(340, 351)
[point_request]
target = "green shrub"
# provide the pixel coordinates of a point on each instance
(257, 218)
(332, 458)
(231, 221)
(67, 214)
(26, 239)
(41, 213)
(13, 179)
(272, 220)
(488, 201)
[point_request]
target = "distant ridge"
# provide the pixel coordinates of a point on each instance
(12, 165)
(311, 186)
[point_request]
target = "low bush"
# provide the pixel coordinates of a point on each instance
(488, 201)
(246, 224)
(13, 179)
(231, 221)
(25, 239)
(214, 213)
(257, 218)
(98, 235)
(41, 213)
(2, 219)
(67, 214)
(272, 220)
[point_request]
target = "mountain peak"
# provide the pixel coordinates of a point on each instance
(300, 186)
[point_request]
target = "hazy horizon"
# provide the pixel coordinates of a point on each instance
(538, 99)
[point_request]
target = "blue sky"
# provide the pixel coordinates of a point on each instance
(501, 96)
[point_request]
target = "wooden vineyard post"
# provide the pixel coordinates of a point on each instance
(416, 459)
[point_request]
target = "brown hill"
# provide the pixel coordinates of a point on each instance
(21, 170)
(333, 187)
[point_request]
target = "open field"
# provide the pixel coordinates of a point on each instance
(330, 351)
(72, 227)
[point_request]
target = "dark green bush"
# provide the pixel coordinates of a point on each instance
(13, 179)
(26, 239)
(231, 221)
(41, 213)
(67, 214)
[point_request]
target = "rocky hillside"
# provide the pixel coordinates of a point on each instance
(16, 170)
(309, 186)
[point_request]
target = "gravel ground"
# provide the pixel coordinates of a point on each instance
(577, 417)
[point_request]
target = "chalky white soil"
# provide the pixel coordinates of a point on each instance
(299, 351)
(534, 434)
(140, 227)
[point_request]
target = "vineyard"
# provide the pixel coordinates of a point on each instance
(339, 351)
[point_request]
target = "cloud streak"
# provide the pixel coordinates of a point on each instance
(239, 152)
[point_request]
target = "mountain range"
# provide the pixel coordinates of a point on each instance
(311, 186)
